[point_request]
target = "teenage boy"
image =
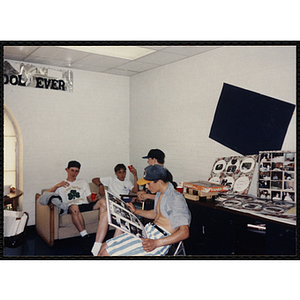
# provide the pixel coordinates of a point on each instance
(171, 220)
(155, 157)
(77, 194)
(117, 186)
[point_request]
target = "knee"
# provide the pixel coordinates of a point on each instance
(74, 209)
(102, 205)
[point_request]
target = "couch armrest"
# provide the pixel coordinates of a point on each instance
(44, 220)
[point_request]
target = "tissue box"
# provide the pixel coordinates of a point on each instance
(6, 190)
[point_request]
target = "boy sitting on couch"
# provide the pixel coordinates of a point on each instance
(77, 194)
(117, 186)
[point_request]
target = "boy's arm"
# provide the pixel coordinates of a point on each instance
(54, 188)
(181, 234)
(97, 181)
(142, 195)
(136, 186)
(149, 214)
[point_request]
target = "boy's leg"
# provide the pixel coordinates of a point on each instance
(102, 225)
(103, 251)
(77, 218)
(118, 232)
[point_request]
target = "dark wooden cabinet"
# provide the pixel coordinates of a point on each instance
(281, 239)
(210, 232)
(249, 240)
(216, 231)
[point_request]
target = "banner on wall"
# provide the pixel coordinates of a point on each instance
(28, 75)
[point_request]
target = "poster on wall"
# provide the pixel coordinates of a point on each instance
(235, 172)
(243, 117)
(277, 176)
(28, 75)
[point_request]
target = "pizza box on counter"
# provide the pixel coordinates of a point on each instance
(205, 186)
(201, 197)
(191, 197)
(201, 193)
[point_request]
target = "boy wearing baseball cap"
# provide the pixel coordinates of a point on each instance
(154, 157)
(76, 194)
(171, 219)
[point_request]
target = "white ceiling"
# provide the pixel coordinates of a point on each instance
(73, 59)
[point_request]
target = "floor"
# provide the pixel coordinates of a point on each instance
(36, 247)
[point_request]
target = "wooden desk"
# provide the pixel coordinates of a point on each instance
(13, 199)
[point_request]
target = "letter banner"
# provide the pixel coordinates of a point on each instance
(27, 75)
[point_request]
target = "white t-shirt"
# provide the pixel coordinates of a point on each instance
(116, 186)
(76, 193)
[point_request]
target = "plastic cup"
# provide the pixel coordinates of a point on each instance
(94, 196)
(180, 189)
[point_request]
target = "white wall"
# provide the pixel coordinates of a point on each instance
(172, 107)
(109, 117)
(90, 125)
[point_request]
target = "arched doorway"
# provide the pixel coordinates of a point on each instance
(13, 152)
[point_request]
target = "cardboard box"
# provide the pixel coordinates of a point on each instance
(201, 193)
(191, 197)
(205, 186)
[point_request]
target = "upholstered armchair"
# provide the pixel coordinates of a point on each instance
(51, 226)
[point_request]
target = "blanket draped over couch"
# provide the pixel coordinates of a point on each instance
(56, 200)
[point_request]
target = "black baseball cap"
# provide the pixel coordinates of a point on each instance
(74, 164)
(155, 153)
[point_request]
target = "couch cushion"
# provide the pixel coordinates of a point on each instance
(88, 216)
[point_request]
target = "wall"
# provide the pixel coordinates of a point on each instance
(90, 125)
(172, 107)
(109, 117)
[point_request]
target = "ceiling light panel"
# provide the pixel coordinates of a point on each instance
(125, 52)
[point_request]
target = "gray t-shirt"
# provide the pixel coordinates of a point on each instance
(174, 207)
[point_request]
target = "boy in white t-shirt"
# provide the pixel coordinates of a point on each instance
(117, 186)
(77, 194)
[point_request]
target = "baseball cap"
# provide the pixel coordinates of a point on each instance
(155, 153)
(73, 164)
(153, 173)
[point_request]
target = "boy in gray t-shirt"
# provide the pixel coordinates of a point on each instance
(171, 220)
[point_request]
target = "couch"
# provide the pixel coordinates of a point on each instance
(51, 226)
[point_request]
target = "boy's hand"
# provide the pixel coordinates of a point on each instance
(149, 245)
(142, 195)
(131, 207)
(62, 184)
(133, 170)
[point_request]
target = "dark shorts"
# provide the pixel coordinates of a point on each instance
(86, 206)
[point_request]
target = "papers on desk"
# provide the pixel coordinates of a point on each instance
(14, 222)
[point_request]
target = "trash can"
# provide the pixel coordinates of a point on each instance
(15, 224)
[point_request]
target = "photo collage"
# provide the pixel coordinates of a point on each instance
(235, 172)
(119, 216)
(277, 176)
